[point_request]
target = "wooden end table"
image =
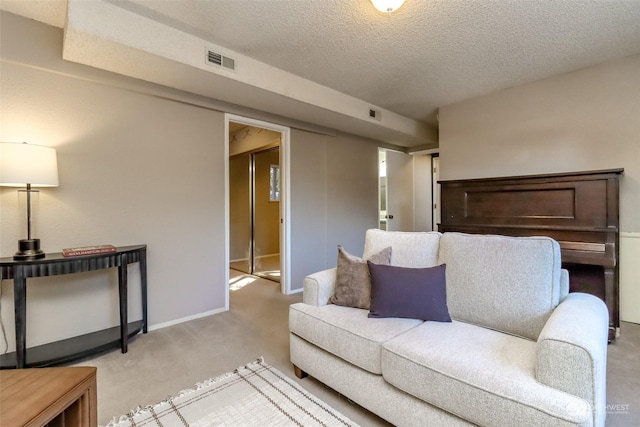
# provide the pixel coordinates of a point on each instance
(48, 396)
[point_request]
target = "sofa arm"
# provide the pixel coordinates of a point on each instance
(572, 350)
(319, 287)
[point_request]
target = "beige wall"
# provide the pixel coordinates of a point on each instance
(138, 167)
(585, 120)
(334, 198)
(133, 169)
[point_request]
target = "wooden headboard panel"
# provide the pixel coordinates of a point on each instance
(578, 209)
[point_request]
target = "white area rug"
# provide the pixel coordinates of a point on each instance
(254, 395)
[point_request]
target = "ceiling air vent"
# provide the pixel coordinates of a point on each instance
(214, 58)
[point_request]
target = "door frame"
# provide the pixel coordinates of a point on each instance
(380, 193)
(435, 191)
(285, 208)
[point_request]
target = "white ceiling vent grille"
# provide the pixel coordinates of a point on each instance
(217, 59)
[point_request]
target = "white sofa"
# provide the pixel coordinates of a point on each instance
(520, 350)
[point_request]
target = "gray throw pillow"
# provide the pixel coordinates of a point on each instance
(353, 283)
(414, 293)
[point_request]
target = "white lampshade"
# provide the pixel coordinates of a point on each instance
(22, 164)
(387, 6)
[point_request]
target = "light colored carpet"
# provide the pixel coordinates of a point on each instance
(177, 357)
(254, 395)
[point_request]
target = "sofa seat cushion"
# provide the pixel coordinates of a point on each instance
(347, 332)
(481, 375)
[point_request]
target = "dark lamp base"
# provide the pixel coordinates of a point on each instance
(29, 249)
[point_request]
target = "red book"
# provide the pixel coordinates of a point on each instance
(89, 250)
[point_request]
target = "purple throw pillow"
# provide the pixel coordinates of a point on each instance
(414, 293)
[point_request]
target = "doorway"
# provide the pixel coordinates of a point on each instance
(257, 250)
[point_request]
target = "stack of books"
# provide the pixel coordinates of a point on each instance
(89, 250)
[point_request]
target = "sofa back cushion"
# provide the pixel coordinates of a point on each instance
(408, 249)
(510, 284)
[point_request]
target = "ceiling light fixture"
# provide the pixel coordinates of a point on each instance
(387, 6)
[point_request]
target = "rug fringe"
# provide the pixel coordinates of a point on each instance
(141, 410)
(214, 380)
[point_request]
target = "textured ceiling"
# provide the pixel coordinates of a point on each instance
(428, 54)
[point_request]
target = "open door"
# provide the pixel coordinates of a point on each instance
(435, 162)
(395, 190)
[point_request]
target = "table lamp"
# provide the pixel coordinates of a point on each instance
(28, 165)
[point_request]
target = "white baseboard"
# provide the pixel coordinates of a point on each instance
(629, 277)
(186, 319)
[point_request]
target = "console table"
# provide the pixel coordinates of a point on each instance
(77, 347)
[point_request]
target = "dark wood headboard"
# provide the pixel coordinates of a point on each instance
(578, 209)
